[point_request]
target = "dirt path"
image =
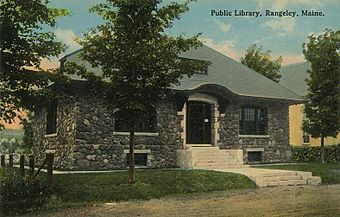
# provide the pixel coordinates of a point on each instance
(283, 201)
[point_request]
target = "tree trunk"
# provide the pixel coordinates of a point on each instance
(322, 150)
(131, 172)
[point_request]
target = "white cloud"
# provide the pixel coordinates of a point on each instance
(282, 25)
(290, 59)
(49, 63)
(224, 27)
(225, 47)
(283, 4)
(68, 37)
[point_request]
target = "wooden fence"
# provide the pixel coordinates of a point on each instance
(48, 162)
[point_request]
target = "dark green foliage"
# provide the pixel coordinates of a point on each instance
(28, 133)
(329, 173)
(104, 187)
(11, 141)
(312, 154)
(139, 61)
(262, 63)
(21, 194)
(22, 46)
(11, 146)
(322, 107)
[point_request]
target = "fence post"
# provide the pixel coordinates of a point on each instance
(49, 162)
(2, 159)
(10, 161)
(22, 165)
(31, 165)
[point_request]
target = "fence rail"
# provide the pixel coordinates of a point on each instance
(48, 162)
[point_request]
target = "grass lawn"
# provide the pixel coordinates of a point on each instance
(322, 170)
(151, 183)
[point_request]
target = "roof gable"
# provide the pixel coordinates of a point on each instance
(222, 71)
(294, 77)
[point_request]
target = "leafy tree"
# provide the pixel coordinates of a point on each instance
(139, 61)
(322, 107)
(262, 63)
(23, 44)
(28, 133)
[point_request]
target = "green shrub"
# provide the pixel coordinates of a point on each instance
(312, 154)
(20, 194)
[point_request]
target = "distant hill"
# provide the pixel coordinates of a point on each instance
(10, 134)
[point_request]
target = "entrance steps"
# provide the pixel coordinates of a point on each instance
(209, 158)
(273, 178)
(231, 160)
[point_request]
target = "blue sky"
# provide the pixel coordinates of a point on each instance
(229, 35)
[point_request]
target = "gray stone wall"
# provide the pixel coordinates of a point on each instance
(63, 141)
(229, 127)
(85, 136)
(275, 145)
(98, 148)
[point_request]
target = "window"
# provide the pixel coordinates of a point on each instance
(51, 119)
(253, 120)
(146, 123)
(305, 137)
(141, 159)
(254, 156)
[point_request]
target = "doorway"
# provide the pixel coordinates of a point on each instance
(198, 123)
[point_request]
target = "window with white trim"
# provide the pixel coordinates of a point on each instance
(253, 120)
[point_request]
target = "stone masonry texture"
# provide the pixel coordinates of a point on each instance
(85, 138)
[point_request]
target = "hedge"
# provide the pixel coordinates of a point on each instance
(312, 154)
(20, 194)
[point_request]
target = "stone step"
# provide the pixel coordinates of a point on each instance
(210, 163)
(216, 156)
(298, 182)
(218, 159)
(279, 178)
(281, 183)
(219, 167)
(284, 173)
(210, 157)
(285, 178)
(266, 184)
(212, 160)
(205, 167)
(210, 153)
(273, 178)
(304, 175)
(314, 180)
(204, 149)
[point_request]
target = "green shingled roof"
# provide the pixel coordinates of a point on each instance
(223, 71)
(294, 77)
